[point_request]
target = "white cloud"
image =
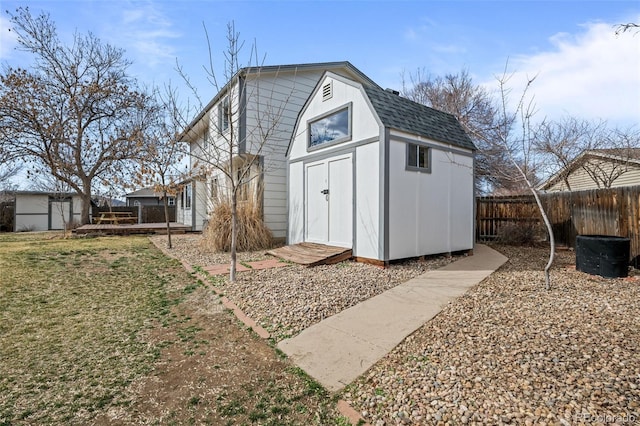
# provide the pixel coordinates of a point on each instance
(147, 34)
(593, 75)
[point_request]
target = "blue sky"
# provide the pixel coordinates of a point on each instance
(583, 68)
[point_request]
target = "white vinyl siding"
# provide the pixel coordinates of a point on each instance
(429, 212)
(278, 96)
(367, 198)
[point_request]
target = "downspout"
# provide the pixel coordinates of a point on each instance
(15, 213)
(194, 224)
(242, 119)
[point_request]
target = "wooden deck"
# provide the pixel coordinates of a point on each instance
(312, 254)
(138, 228)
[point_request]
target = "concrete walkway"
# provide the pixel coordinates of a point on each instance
(340, 348)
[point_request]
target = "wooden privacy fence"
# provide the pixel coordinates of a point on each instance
(147, 214)
(614, 211)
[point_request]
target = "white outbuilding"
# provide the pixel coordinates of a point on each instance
(44, 211)
(380, 174)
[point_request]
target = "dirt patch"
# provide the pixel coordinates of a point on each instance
(212, 370)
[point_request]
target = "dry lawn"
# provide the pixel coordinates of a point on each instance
(110, 331)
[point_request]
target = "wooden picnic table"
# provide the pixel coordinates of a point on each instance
(116, 218)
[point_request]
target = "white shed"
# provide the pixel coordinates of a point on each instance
(43, 211)
(377, 173)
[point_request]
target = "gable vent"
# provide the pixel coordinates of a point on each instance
(327, 91)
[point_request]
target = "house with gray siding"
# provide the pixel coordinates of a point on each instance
(597, 168)
(147, 197)
(259, 97)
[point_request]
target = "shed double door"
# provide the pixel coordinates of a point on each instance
(329, 201)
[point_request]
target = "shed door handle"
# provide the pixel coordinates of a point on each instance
(324, 191)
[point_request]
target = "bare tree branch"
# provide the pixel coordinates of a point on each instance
(224, 150)
(524, 109)
(76, 114)
(629, 27)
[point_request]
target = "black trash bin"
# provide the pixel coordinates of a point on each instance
(604, 255)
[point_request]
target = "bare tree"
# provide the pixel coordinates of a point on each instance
(476, 110)
(518, 145)
(9, 166)
(162, 152)
(8, 170)
(224, 151)
(602, 153)
(606, 165)
(77, 114)
(562, 141)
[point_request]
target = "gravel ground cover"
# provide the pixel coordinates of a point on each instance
(287, 300)
(510, 352)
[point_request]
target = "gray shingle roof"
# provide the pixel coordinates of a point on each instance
(403, 114)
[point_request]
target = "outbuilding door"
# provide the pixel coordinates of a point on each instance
(60, 214)
(329, 201)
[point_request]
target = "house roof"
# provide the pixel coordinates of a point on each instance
(620, 155)
(48, 193)
(273, 69)
(403, 114)
(143, 193)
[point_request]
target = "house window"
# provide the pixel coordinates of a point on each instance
(171, 201)
(242, 192)
(224, 113)
(214, 189)
(205, 139)
(187, 197)
(418, 158)
(333, 127)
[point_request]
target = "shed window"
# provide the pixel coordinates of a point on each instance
(333, 127)
(418, 158)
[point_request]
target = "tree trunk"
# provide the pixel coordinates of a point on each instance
(166, 218)
(552, 240)
(86, 205)
(234, 235)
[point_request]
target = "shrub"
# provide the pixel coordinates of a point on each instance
(253, 234)
(526, 233)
